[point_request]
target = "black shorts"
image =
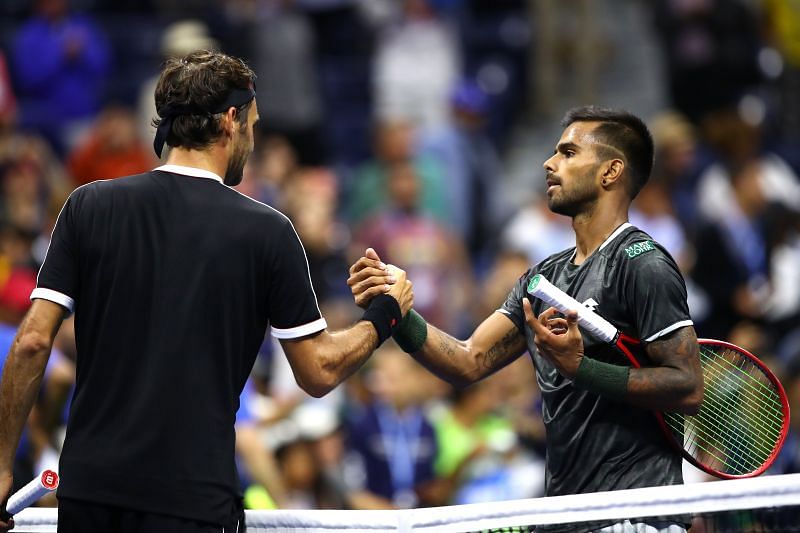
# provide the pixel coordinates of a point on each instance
(78, 516)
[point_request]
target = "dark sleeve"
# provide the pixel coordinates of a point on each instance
(58, 277)
(512, 307)
(655, 294)
(293, 308)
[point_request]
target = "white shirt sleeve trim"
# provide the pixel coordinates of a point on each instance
(54, 296)
(669, 329)
(300, 331)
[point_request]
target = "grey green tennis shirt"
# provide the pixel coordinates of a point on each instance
(593, 443)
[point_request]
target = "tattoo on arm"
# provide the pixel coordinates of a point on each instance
(679, 350)
(511, 345)
(675, 380)
(447, 344)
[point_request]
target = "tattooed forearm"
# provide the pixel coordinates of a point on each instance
(509, 347)
(447, 344)
(675, 381)
(495, 343)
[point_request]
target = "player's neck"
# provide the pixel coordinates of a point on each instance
(212, 159)
(592, 229)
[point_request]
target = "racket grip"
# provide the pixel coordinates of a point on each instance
(45, 483)
(541, 288)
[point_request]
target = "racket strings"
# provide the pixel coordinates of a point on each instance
(734, 409)
(723, 374)
(741, 461)
(744, 376)
(731, 414)
(732, 453)
(721, 461)
(742, 456)
(740, 420)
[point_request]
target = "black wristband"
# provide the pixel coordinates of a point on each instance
(385, 314)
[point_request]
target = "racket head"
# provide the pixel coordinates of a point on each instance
(743, 419)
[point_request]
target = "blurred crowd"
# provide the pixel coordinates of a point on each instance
(389, 123)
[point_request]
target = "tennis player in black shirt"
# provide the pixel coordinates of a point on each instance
(601, 433)
(173, 277)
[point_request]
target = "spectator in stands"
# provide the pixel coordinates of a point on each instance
(368, 192)
(738, 145)
(17, 272)
(710, 49)
(282, 48)
(471, 169)
(60, 61)
(311, 202)
(524, 230)
(112, 149)
(404, 234)
(679, 159)
(416, 64)
(474, 441)
(391, 448)
(733, 261)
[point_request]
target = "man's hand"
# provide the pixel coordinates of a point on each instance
(558, 339)
(400, 289)
(369, 277)
(6, 483)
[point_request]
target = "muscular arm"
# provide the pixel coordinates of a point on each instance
(672, 382)
(322, 361)
(494, 344)
(675, 381)
(23, 373)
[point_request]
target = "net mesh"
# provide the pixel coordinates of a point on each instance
(758, 505)
(740, 422)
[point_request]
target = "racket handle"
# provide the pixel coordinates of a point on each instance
(598, 326)
(45, 483)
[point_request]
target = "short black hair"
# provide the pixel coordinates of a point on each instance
(624, 131)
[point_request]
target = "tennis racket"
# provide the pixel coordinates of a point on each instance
(40, 486)
(744, 416)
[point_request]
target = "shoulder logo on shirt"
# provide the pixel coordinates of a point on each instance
(639, 248)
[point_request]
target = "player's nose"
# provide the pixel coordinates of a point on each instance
(549, 165)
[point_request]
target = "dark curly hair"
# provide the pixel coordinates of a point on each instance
(199, 82)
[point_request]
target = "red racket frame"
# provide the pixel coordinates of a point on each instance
(622, 342)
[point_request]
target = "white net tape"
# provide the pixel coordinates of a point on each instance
(757, 493)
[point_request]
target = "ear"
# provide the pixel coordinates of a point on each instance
(612, 171)
(229, 121)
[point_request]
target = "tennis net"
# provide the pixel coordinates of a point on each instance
(759, 505)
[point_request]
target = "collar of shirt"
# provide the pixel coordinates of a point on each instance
(190, 171)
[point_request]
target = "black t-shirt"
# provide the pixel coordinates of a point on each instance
(173, 278)
(594, 443)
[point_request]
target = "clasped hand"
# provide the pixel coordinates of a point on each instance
(557, 339)
(369, 277)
